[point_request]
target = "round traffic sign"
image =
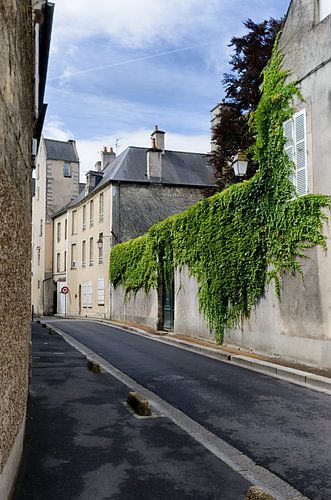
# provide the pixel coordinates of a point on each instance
(65, 290)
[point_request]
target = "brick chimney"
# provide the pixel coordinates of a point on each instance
(107, 156)
(154, 162)
(158, 135)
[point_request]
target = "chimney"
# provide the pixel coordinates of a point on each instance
(97, 166)
(92, 180)
(107, 156)
(158, 135)
(154, 162)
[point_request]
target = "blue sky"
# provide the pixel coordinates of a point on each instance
(119, 67)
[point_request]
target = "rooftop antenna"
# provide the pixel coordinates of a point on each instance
(117, 145)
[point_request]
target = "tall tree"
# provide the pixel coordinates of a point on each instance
(242, 94)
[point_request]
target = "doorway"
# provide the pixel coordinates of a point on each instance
(168, 305)
(80, 300)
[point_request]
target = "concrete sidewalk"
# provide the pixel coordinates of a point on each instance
(83, 443)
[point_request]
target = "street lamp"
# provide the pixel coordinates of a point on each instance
(101, 237)
(239, 164)
(100, 242)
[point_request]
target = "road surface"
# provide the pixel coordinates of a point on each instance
(283, 427)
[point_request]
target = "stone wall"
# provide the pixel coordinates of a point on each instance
(141, 206)
(16, 115)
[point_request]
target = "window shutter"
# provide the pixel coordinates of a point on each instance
(89, 297)
(84, 295)
(301, 152)
(289, 145)
(101, 291)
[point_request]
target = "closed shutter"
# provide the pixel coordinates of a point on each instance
(301, 152)
(289, 145)
(89, 294)
(84, 295)
(101, 291)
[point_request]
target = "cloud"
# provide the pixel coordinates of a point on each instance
(55, 129)
(131, 23)
(68, 73)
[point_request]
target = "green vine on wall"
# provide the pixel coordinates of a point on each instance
(238, 240)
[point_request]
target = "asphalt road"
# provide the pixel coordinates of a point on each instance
(82, 443)
(281, 426)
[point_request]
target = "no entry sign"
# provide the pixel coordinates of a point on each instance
(65, 290)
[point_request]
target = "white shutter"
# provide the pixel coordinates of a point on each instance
(89, 294)
(84, 295)
(289, 145)
(301, 152)
(101, 291)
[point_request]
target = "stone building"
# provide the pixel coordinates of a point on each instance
(25, 29)
(56, 184)
(121, 201)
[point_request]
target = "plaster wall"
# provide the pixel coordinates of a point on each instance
(94, 268)
(188, 320)
(296, 328)
(142, 308)
(16, 125)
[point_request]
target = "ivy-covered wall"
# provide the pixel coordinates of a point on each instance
(237, 241)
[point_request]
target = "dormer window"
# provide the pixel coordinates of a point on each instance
(67, 170)
(324, 9)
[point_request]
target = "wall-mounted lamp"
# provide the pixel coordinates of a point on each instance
(100, 240)
(239, 164)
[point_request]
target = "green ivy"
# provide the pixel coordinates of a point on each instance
(235, 242)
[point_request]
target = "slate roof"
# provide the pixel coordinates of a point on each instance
(191, 169)
(178, 168)
(61, 150)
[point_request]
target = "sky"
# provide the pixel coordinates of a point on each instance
(117, 68)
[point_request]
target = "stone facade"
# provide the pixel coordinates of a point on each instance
(141, 206)
(53, 190)
(16, 126)
(21, 118)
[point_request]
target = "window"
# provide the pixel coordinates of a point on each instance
(296, 148)
(91, 213)
(84, 217)
(101, 291)
(38, 256)
(73, 256)
(100, 248)
(38, 284)
(324, 9)
(67, 170)
(65, 229)
(83, 253)
(58, 263)
(65, 261)
(58, 231)
(41, 228)
(37, 194)
(91, 251)
(74, 222)
(101, 207)
(87, 294)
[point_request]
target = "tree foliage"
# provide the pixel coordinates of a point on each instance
(242, 94)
